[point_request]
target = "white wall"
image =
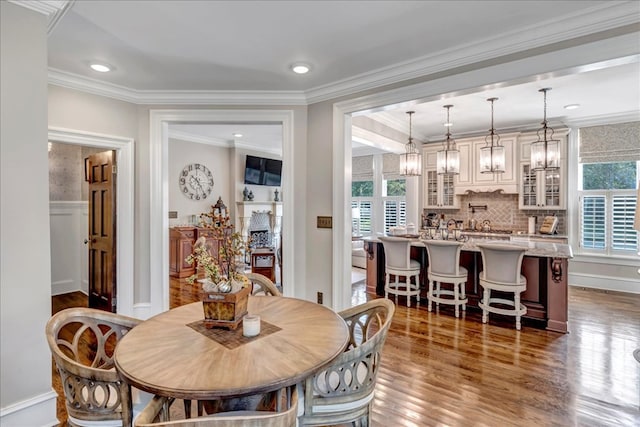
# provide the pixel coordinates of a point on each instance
(69, 255)
(319, 201)
(216, 159)
(261, 193)
(26, 397)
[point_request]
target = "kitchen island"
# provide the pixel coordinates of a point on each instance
(545, 265)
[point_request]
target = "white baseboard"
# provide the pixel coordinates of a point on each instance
(142, 310)
(37, 411)
(64, 287)
(605, 282)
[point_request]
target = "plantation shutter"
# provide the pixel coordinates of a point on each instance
(624, 237)
(593, 225)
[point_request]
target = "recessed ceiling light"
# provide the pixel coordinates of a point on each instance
(237, 135)
(300, 68)
(571, 106)
(102, 68)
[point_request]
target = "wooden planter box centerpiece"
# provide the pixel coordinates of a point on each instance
(225, 310)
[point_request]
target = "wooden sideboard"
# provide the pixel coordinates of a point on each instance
(181, 241)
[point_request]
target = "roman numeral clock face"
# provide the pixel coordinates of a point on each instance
(196, 181)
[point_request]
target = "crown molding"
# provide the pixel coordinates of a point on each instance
(199, 139)
(174, 97)
(219, 142)
(53, 9)
(46, 7)
(604, 119)
(598, 19)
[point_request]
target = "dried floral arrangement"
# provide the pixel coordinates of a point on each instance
(226, 266)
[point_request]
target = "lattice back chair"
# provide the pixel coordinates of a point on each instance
(262, 285)
(502, 266)
(343, 391)
(398, 263)
(152, 415)
(444, 267)
(82, 342)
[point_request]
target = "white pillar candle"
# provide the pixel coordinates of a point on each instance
(251, 326)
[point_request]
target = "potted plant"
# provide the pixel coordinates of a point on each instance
(226, 288)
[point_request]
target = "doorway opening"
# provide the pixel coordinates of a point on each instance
(69, 218)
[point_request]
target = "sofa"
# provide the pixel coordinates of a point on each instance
(358, 254)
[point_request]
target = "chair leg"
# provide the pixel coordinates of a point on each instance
(408, 283)
(397, 284)
(386, 286)
(438, 292)
(517, 308)
(187, 408)
(430, 285)
(455, 300)
(462, 294)
(485, 303)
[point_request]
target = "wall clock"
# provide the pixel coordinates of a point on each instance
(196, 181)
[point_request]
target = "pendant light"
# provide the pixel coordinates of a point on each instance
(411, 160)
(492, 154)
(545, 152)
(448, 160)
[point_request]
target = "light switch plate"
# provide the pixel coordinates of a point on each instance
(325, 222)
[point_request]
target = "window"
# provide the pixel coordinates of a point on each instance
(394, 203)
(361, 206)
(607, 207)
(361, 217)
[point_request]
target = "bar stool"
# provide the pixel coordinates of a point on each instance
(398, 262)
(444, 267)
(501, 272)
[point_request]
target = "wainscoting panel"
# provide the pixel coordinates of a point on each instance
(68, 251)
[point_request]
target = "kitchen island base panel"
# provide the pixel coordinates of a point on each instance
(547, 283)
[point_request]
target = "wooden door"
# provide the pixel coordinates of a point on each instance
(100, 169)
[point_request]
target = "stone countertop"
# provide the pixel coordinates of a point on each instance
(537, 249)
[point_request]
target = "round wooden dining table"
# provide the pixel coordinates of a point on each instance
(173, 355)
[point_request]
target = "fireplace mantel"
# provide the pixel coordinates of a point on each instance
(246, 209)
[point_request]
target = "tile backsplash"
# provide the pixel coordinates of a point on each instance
(502, 210)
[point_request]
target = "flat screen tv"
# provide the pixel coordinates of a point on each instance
(262, 171)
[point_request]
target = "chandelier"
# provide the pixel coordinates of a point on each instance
(492, 154)
(411, 160)
(448, 160)
(545, 152)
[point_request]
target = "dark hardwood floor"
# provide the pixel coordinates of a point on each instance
(441, 371)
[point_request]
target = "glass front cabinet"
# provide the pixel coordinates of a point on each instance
(542, 189)
(439, 190)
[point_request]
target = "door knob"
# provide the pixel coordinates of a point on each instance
(89, 240)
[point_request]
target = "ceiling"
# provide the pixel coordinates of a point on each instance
(245, 48)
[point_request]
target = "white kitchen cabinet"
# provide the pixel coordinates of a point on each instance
(471, 179)
(439, 190)
(542, 189)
